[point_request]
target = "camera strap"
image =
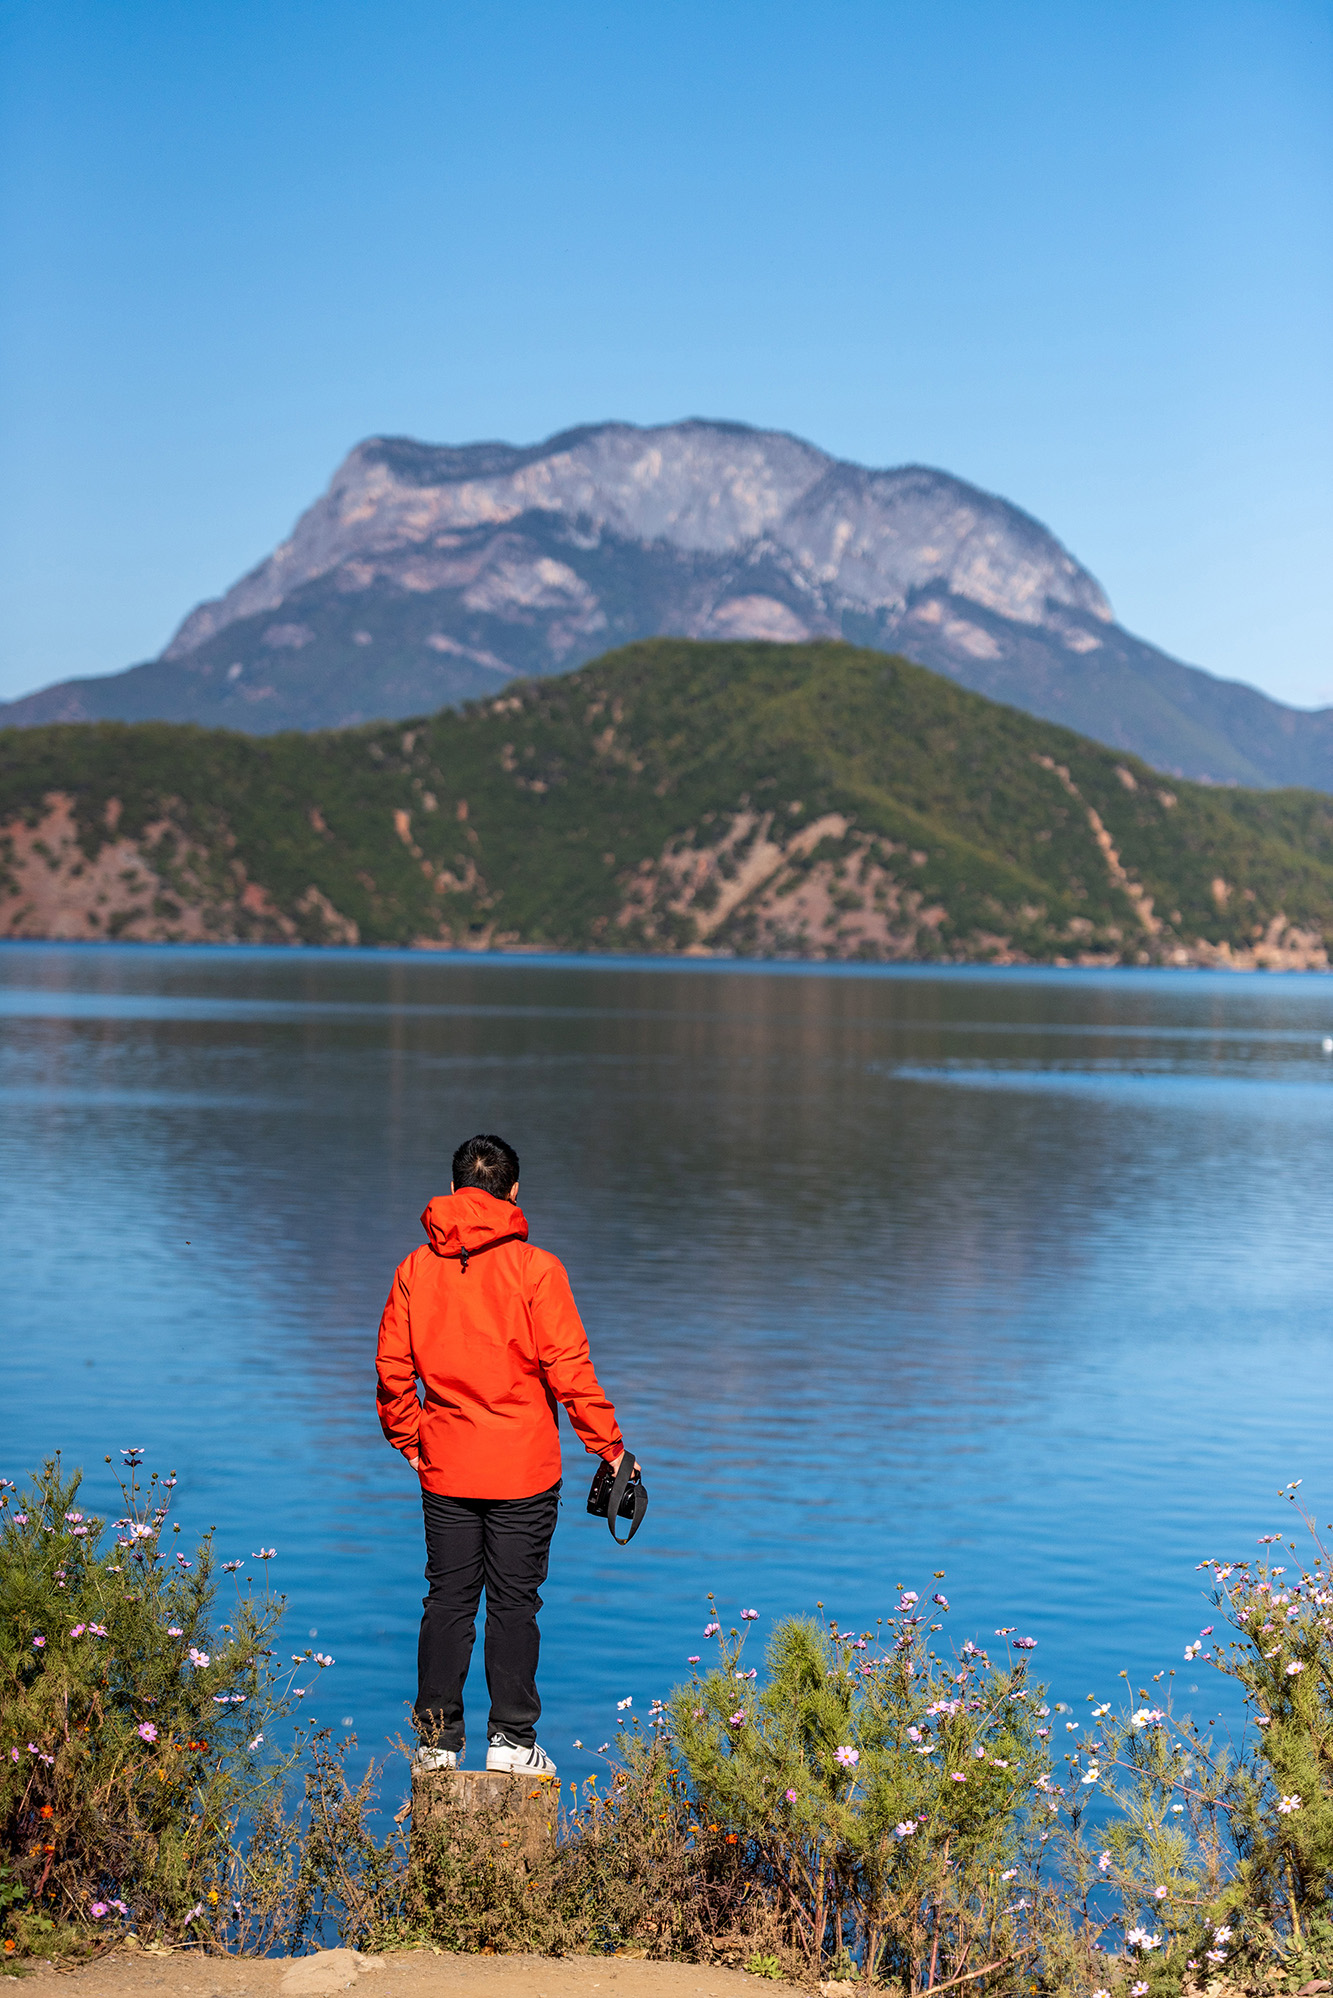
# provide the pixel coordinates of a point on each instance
(619, 1484)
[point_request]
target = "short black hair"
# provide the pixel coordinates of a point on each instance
(488, 1162)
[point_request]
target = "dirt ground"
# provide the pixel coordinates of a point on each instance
(406, 1974)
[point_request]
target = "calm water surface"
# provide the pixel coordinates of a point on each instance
(1021, 1276)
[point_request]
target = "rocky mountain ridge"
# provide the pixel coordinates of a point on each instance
(428, 575)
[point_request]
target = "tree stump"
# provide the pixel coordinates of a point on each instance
(515, 1814)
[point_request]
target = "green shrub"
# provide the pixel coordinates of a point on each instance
(889, 1800)
(130, 1727)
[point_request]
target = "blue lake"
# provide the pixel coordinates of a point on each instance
(1022, 1276)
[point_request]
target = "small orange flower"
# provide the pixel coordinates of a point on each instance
(731, 1838)
(47, 1811)
(48, 1849)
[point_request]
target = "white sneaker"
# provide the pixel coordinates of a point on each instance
(511, 1758)
(430, 1761)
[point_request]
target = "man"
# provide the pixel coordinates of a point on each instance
(488, 1325)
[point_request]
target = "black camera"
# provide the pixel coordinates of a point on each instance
(619, 1494)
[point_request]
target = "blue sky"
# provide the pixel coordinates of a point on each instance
(1079, 253)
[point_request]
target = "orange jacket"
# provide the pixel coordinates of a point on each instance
(488, 1325)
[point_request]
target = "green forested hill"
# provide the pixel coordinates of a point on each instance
(812, 800)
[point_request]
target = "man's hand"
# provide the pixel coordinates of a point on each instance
(415, 1462)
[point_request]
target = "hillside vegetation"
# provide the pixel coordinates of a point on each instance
(802, 800)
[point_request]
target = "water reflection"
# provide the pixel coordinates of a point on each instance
(1019, 1276)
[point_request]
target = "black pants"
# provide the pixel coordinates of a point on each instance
(503, 1545)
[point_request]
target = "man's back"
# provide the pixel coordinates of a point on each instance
(488, 1324)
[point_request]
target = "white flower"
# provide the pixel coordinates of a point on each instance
(1294, 1667)
(1093, 1775)
(622, 1704)
(1140, 1939)
(1289, 1804)
(1104, 1863)
(1221, 1935)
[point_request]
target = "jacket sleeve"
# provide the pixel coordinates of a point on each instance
(396, 1389)
(562, 1349)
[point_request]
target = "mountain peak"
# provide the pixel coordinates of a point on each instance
(431, 574)
(850, 538)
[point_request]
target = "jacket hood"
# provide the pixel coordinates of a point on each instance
(471, 1220)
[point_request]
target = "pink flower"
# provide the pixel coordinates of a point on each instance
(39, 1644)
(711, 1629)
(749, 1616)
(848, 1757)
(958, 1777)
(97, 1910)
(791, 1796)
(694, 1660)
(738, 1718)
(146, 1731)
